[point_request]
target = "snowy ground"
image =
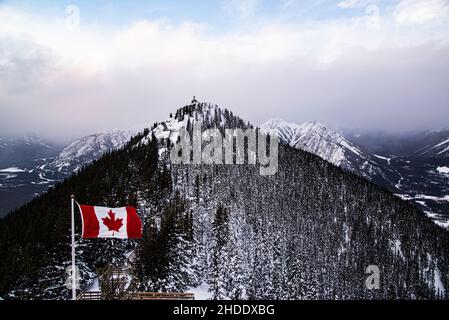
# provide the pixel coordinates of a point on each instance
(383, 158)
(426, 197)
(95, 286)
(201, 292)
(443, 224)
(423, 197)
(444, 170)
(12, 170)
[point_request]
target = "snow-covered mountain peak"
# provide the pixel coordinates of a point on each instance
(275, 123)
(210, 115)
(315, 126)
(286, 131)
(89, 148)
(316, 138)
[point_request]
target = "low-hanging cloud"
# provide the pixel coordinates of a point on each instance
(65, 83)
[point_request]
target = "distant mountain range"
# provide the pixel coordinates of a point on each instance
(429, 143)
(332, 146)
(414, 166)
(30, 165)
(23, 150)
(82, 151)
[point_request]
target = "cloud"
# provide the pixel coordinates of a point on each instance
(66, 83)
(421, 11)
(21, 63)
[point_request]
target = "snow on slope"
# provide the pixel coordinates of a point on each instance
(443, 170)
(28, 139)
(12, 170)
(89, 148)
(316, 138)
(437, 146)
(332, 146)
(210, 115)
(442, 147)
(201, 292)
(383, 158)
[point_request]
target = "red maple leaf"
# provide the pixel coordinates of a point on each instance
(112, 223)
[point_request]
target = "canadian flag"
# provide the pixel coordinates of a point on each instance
(101, 222)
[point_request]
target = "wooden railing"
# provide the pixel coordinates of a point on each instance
(89, 295)
(164, 296)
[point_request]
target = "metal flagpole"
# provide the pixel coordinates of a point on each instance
(73, 250)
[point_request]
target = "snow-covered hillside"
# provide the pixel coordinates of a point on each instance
(27, 139)
(20, 177)
(438, 147)
(208, 114)
(318, 139)
(22, 150)
(329, 144)
(89, 148)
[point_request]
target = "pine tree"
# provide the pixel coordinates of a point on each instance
(221, 233)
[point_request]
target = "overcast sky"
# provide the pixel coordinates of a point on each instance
(66, 71)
